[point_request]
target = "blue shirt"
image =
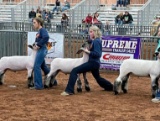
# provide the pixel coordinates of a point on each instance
(42, 37)
(96, 50)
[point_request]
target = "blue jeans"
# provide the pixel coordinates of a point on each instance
(122, 2)
(38, 65)
(86, 67)
(118, 22)
(65, 8)
(56, 8)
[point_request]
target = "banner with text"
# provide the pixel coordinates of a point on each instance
(55, 45)
(115, 49)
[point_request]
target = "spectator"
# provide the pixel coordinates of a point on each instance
(57, 6)
(43, 13)
(119, 3)
(47, 22)
(107, 29)
(66, 6)
(122, 3)
(155, 21)
(38, 10)
(95, 18)
(32, 15)
(127, 18)
(49, 14)
(119, 19)
(88, 19)
(39, 14)
(64, 22)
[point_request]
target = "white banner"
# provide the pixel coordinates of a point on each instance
(55, 46)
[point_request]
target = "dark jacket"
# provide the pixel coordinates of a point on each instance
(32, 14)
(57, 3)
(96, 50)
(127, 18)
(118, 17)
(42, 37)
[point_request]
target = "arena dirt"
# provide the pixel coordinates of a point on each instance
(18, 103)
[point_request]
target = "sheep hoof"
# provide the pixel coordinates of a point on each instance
(55, 83)
(45, 86)
(153, 96)
(79, 89)
(1, 83)
(87, 88)
(124, 91)
(115, 92)
(30, 85)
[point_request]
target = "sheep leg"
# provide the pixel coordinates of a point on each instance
(124, 85)
(117, 85)
(1, 79)
(47, 80)
(154, 84)
(86, 83)
(30, 82)
(53, 81)
(79, 84)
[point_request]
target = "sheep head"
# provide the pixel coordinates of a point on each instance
(84, 45)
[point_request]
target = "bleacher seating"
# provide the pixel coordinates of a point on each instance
(106, 13)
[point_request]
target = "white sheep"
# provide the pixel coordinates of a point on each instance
(66, 65)
(18, 63)
(150, 68)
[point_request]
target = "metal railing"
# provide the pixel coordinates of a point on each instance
(80, 10)
(21, 10)
(83, 28)
(15, 43)
(148, 11)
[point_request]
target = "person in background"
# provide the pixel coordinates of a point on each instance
(92, 65)
(47, 22)
(66, 6)
(39, 10)
(127, 18)
(39, 14)
(64, 22)
(57, 6)
(119, 19)
(107, 29)
(95, 18)
(43, 13)
(88, 19)
(32, 15)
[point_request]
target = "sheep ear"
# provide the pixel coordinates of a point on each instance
(30, 46)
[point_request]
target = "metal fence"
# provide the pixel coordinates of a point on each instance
(147, 13)
(15, 43)
(83, 28)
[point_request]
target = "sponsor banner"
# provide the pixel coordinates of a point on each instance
(55, 45)
(118, 48)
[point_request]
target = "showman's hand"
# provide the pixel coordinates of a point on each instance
(35, 47)
(85, 50)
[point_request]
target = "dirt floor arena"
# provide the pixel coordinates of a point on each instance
(22, 104)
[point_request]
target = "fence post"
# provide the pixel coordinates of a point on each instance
(12, 15)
